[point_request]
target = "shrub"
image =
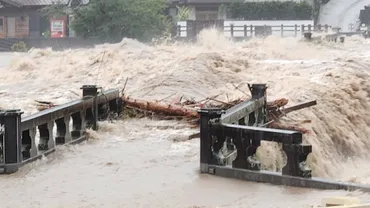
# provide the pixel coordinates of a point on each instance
(19, 47)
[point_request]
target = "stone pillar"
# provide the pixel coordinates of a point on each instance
(78, 128)
(91, 91)
(258, 91)
(296, 160)
(11, 125)
(205, 136)
(246, 146)
(116, 105)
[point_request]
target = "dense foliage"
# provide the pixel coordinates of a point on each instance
(325, 1)
(114, 19)
(316, 10)
(54, 10)
(274, 10)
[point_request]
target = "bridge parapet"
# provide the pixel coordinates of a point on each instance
(240, 130)
(18, 137)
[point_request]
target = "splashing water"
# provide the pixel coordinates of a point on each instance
(337, 75)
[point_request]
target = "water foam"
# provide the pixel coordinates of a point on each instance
(336, 75)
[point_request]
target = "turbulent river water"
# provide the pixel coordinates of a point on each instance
(147, 163)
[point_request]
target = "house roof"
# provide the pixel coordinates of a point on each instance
(207, 1)
(200, 1)
(19, 3)
(48, 2)
(11, 2)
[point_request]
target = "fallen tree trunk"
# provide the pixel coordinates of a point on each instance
(300, 106)
(277, 103)
(171, 110)
(275, 112)
(181, 111)
(193, 136)
(43, 105)
(277, 125)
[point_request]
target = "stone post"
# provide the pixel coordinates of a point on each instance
(89, 91)
(205, 136)
(11, 126)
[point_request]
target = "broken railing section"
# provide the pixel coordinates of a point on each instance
(252, 112)
(246, 140)
(240, 129)
(18, 143)
(326, 37)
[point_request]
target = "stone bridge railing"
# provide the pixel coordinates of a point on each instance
(18, 135)
(240, 130)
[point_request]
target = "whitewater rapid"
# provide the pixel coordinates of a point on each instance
(146, 163)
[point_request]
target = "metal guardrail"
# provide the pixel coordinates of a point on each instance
(18, 142)
(239, 129)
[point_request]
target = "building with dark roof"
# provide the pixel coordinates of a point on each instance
(22, 18)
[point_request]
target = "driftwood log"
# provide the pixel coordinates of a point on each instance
(158, 107)
(43, 105)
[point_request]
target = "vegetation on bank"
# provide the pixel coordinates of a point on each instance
(316, 10)
(114, 19)
(111, 20)
(19, 47)
(271, 10)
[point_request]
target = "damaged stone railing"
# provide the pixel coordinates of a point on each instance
(326, 37)
(18, 135)
(240, 131)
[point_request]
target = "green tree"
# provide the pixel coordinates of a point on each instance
(270, 10)
(182, 14)
(113, 19)
(56, 10)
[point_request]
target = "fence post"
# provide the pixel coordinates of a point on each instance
(232, 30)
(302, 29)
(191, 32)
(245, 30)
(11, 125)
(295, 30)
(251, 30)
(205, 136)
(326, 28)
(89, 91)
(258, 90)
(282, 30)
(309, 28)
(178, 30)
(319, 27)
(296, 159)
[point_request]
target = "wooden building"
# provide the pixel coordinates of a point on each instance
(23, 18)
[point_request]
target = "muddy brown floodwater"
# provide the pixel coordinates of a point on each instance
(147, 163)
